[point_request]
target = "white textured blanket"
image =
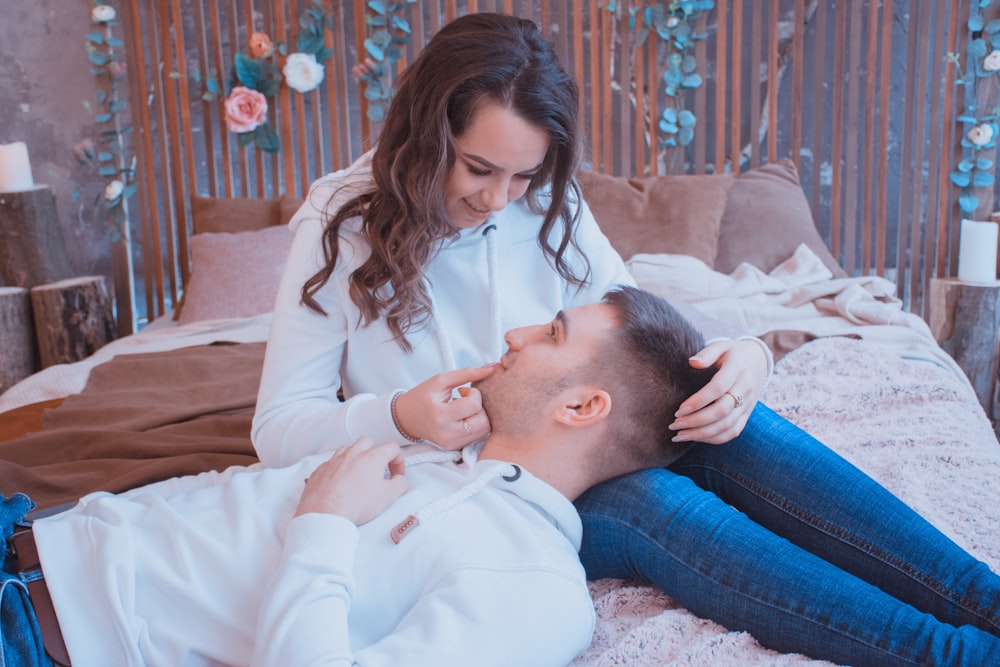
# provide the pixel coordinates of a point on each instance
(913, 424)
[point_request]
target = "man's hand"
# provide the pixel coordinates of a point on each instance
(359, 482)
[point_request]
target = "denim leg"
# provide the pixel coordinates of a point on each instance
(798, 488)
(20, 636)
(720, 564)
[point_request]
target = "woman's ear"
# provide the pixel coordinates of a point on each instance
(584, 406)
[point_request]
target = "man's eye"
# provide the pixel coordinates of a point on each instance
(552, 331)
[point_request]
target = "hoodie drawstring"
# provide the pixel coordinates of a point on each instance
(508, 471)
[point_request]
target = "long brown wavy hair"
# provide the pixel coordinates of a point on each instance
(472, 60)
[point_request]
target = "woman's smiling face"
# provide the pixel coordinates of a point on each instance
(495, 160)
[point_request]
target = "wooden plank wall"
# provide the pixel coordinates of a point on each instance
(856, 92)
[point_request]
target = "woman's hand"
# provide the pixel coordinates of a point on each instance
(430, 412)
(358, 482)
(718, 412)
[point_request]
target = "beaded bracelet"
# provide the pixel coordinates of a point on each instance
(395, 418)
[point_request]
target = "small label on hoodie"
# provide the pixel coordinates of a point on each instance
(403, 528)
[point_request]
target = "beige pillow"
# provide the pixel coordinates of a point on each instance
(767, 216)
(211, 215)
(235, 275)
(659, 214)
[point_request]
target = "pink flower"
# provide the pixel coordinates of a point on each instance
(245, 110)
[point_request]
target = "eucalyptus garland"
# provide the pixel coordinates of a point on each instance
(979, 126)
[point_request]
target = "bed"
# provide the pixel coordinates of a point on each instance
(854, 368)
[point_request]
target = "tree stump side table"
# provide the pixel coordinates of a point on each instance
(965, 320)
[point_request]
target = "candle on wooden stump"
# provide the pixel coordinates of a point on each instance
(977, 251)
(15, 168)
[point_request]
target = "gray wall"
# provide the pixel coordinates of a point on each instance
(45, 80)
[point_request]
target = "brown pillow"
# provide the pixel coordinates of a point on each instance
(287, 208)
(233, 214)
(235, 275)
(658, 214)
(767, 216)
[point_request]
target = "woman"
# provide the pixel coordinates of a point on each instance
(464, 222)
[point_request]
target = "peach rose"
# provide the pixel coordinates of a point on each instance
(260, 46)
(991, 63)
(245, 109)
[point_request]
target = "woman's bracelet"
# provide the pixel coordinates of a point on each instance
(767, 354)
(395, 418)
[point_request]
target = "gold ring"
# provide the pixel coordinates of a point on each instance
(737, 398)
(465, 425)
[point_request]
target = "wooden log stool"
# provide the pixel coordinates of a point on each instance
(32, 250)
(18, 352)
(73, 319)
(965, 320)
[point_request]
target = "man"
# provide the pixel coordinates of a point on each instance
(380, 554)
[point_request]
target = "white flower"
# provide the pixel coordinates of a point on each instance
(981, 135)
(302, 72)
(673, 22)
(102, 14)
(113, 190)
(991, 63)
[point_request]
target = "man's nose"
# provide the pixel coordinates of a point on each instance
(518, 338)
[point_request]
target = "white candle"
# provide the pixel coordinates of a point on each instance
(15, 168)
(977, 252)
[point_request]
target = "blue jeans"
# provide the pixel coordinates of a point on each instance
(20, 636)
(775, 534)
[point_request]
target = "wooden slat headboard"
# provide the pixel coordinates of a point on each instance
(856, 92)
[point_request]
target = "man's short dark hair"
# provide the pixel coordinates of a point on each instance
(647, 364)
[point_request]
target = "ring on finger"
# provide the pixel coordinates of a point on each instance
(465, 425)
(738, 398)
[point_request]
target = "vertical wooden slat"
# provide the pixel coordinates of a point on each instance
(735, 100)
(173, 136)
(756, 38)
(947, 255)
(638, 118)
(625, 54)
(360, 33)
(607, 142)
(700, 148)
(653, 127)
(139, 50)
(595, 87)
(837, 138)
(217, 107)
(882, 169)
(937, 153)
(852, 131)
(722, 73)
(819, 76)
(918, 137)
(773, 81)
(579, 74)
(905, 218)
(798, 69)
(870, 145)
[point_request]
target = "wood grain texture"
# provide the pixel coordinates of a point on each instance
(73, 319)
(965, 320)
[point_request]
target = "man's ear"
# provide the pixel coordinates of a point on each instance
(584, 406)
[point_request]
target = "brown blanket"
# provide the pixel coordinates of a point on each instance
(141, 418)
